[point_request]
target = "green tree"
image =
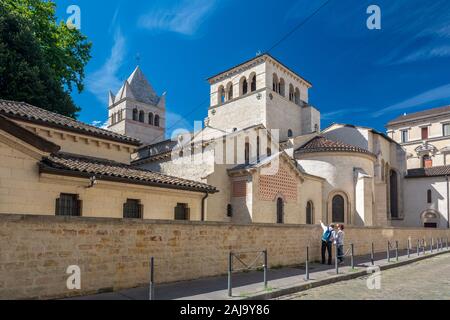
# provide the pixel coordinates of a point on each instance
(40, 60)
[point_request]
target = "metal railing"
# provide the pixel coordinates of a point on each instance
(246, 266)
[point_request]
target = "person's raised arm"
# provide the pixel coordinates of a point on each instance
(324, 227)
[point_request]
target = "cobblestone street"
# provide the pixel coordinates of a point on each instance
(425, 280)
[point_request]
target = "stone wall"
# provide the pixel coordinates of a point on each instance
(113, 254)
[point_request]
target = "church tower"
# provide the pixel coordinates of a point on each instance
(137, 111)
(262, 91)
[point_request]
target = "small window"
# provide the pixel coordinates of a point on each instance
(133, 209)
(247, 153)
(150, 118)
(141, 116)
(290, 134)
(425, 133)
(253, 84)
(135, 115)
(229, 211)
(221, 95)
(269, 152)
(280, 211)
(68, 205)
(119, 115)
(405, 137)
(446, 129)
(182, 212)
(429, 196)
(310, 213)
(244, 87)
(427, 161)
(157, 121)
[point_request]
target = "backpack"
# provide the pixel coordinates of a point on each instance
(327, 235)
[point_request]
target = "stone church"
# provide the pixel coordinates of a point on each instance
(263, 148)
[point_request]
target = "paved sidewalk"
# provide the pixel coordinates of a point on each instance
(250, 285)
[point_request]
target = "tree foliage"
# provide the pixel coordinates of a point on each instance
(41, 61)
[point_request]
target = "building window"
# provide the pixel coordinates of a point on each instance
(425, 133)
(229, 211)
(427, 161)
(133, 209)
(297, 96)
(290, 134)
(291, 93)
(150, 118)
(280, 211)
(310, 213)
(253, 84)
(282, 89)
(244, 86)
(404, 134)
(230, 91)
(393, 188)
(135, 115)
(141, 116)
(68, 205)
(429, 196)
(221, 92)
(338, 209)
(157, 121)
(182, 212)
(430, 225)
(269, 152)
(119, 115)
(275, 82)
(446, 129)
(247, 153)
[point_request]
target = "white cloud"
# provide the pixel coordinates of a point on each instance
(184, 18)
(100, 124)
(341, 112)
(104, 79)
(433, 95)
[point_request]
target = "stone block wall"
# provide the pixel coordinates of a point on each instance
(113, 254)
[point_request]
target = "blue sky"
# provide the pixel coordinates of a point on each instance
(360, 76)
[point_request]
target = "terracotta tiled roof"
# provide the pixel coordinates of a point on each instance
(429, 172)
(75, 165)
(321, 144)
(26, 112)
(420, 115)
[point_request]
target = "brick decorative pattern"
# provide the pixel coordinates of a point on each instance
(284, 182)
(240, 189)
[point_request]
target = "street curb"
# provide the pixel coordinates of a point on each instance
(336, 278)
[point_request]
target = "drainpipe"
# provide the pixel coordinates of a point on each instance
(203, 205)
(448, 202)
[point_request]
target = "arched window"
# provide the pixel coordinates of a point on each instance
(247, 153)
(253, 83)
(429, 196)
(229, 210)
(393, 190)
(310, 213)
(280, 211)
(113, 118)
(221, 93)
(297, 96)
(244, 86)
(427, 162)
(290, 134)
(275, 82)
(338, 209)
(157, 121)
(135, 114)
(230, 91)
(141, 116)
(282, 89)
(119, 115)
(291, 93)
(150, 118)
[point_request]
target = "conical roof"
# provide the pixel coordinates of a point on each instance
(138, 88)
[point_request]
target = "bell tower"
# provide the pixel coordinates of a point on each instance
(137, 111)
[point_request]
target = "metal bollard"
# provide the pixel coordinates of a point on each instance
(151, 292)
(307, 264)
(418, 248)
(431, 246)
(408, 248)
(230, 273)
(423, 246)
(396, 250)
(336, 264)
(352, 258)
(372, 255)
(388, 253)
(265, 269)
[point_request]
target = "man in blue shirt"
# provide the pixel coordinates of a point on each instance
(327, 242)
